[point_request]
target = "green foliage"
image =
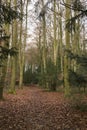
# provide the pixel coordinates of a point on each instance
(7, 14)
(79, 7)
(4, 52)
(30, 77)
(52, 74)
(42, 79)
(83, 107)
(50, 77)
(80, 59)
(78, 78)
(77, 102)
(1, 93)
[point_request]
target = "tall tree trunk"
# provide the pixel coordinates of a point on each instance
(55, 45)
(76, 42)
(3, 69)
(66, 61)
(61, 40)
(22, 45)
(21, 51)
(40, 56)
(55, 49)
(25, 37)
(44, 48)
(13, 59)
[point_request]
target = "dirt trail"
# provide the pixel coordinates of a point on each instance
(35, 109)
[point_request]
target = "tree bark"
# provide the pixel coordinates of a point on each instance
(66, 60)
(13, 59)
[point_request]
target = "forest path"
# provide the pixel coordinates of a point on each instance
(35, 109)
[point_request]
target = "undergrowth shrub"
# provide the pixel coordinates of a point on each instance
(78, 102)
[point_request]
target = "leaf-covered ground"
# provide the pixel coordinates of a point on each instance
(35, 109)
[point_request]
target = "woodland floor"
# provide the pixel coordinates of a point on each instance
(35, 109)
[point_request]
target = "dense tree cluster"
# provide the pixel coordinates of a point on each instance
(59, 39)
(8, 15)
(64, 46)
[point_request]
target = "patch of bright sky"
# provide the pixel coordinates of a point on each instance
(32, 23)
